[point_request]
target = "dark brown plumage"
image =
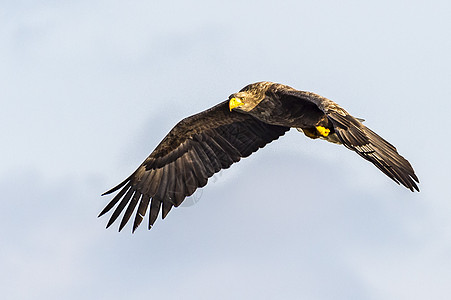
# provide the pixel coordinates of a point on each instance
(201, 145)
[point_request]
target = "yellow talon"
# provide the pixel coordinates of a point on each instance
(323, 130)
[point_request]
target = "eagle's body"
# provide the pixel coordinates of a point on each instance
(201, 145)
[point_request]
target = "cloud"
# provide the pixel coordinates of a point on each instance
(90, 88)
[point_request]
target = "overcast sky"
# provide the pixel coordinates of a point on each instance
(89, 88)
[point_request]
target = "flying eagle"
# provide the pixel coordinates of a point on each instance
(203, 144)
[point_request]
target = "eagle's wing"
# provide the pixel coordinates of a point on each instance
(359, 138)
(195, 149)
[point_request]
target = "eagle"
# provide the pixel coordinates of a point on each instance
(205, 143)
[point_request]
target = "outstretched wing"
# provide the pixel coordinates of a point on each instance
(195, 149)
(365, 142)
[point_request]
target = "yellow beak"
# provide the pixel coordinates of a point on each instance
(235, 102)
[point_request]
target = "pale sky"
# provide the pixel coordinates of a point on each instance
(89, 88)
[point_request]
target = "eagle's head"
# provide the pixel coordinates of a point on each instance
(249, 96)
